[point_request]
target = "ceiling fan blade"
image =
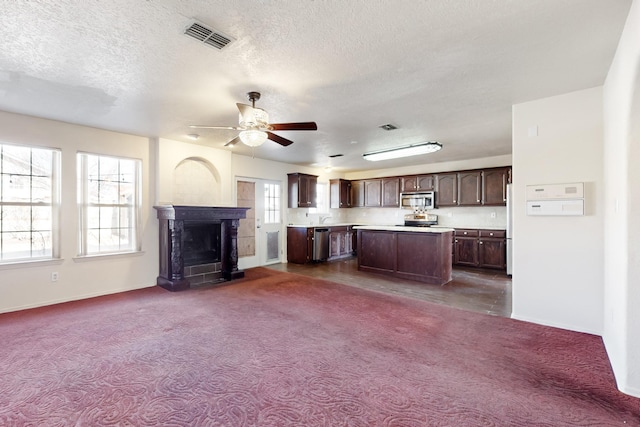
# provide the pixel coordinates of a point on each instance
(214, 127)
(280, 140)
(294, 126)
(234, 141)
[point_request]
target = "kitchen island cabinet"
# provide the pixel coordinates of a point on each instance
(415, 253)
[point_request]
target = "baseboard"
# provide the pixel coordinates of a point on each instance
(75, 298)
(555, 325)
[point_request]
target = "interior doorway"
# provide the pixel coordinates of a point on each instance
(260, 234)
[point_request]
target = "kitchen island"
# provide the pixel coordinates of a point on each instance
(416, 253)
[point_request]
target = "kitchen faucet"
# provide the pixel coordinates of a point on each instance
(323, 218)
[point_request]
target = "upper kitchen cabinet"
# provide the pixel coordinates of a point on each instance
(339, 193)
(390, 192)
(470, 188)
(494, 186)
(302, 190)
(381, 192)
(357, 194)
(446, 189)
(372, 193)
(415, 183)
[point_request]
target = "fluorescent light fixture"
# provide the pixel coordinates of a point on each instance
(411, 150)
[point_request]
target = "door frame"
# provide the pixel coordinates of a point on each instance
(260, 257)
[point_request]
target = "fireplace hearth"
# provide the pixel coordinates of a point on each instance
(198, 244)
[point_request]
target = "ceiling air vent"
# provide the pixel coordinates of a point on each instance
(208, 36)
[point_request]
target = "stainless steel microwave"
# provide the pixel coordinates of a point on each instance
(422, 200)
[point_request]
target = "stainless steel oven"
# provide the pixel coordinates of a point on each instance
(423, 200)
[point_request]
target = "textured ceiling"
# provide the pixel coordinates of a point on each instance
(439, 70)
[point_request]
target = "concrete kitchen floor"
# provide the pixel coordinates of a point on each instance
(479, 290)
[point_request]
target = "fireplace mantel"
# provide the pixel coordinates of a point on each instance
(172, 219)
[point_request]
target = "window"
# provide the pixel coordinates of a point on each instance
(321, 199)
(271, 203)
(109, 202)
(29, 202)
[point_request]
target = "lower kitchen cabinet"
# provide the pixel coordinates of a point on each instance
(340, 242)
(300, 244)
(300, 240)
(492, 249)
(465, 251)
(480, 248)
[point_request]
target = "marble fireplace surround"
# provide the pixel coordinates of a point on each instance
(172, 221)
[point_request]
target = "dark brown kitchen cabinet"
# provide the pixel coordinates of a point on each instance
(339, 193)
(302, 190)
(409, 183)
(470, 188)
(381, 192)
(390, 192)
(415, 183)
(492, 251)
(426, 183)
(357, 194)
(372, 193)
(494, 186)
(446, 189)
(300, 244)
(480, 248)
(466, 247)
(340, 242)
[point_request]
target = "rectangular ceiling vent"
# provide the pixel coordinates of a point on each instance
(208, 36)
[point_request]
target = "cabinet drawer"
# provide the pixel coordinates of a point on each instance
(465, 232)
(493, 233)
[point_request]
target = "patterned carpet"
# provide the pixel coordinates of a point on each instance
(278, 349)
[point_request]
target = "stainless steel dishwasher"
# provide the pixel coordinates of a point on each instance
(320, 244)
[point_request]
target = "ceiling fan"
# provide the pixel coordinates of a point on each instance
(255, 128)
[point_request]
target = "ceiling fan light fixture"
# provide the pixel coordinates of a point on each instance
(253, 138)
(256, 117)
(411, 150)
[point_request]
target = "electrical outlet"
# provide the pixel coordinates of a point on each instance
(493, 214)
(54, 276)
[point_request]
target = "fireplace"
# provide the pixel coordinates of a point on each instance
(201, 243)
(198, 244)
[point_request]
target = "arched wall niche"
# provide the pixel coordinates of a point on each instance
(196, 182)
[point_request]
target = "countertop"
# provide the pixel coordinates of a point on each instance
(433, 227)
(403, 228)
(341, 224)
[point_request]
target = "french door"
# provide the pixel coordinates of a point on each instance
(260, 235)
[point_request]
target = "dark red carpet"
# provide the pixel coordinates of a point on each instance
(278, 349)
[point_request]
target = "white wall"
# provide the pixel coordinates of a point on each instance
(558, 261)
(485, 162)
(171, 153)
(29, 285)
(622, 208)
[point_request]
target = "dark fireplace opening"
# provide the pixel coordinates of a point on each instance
(201, 243)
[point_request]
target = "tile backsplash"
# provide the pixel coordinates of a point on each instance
(460, 216)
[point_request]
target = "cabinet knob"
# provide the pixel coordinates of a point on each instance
(481, 242)
(465, 232)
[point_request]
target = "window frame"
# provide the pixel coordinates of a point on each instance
(54, 204)
(84, 204)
